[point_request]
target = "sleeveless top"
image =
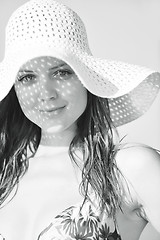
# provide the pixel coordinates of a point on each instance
(76, 223)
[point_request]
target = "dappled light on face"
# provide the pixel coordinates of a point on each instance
(50, 94)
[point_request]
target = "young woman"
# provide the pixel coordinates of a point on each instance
(64, 172)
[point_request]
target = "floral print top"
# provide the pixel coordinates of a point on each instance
(75, 223)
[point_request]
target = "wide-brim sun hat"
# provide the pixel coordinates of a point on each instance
(48, 28)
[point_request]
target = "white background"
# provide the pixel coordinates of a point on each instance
(126, 30)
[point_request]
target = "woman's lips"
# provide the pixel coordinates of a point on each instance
(51, 109)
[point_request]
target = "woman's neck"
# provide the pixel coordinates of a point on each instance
(59, 139)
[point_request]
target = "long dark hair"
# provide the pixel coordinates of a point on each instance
(99, 140)
(20, 138)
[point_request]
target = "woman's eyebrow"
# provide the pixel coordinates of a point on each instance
(25, 70)
(58, 66)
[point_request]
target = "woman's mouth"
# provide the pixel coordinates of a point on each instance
(50, 110)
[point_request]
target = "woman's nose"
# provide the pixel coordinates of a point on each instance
(47, 89)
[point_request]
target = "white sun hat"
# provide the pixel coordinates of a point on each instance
(48, 28)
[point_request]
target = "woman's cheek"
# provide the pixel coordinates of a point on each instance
(27, 96)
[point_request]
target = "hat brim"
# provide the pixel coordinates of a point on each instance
(131, 89)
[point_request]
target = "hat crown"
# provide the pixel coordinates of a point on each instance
(46, 22)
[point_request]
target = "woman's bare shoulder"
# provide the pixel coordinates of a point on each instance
(137, 157)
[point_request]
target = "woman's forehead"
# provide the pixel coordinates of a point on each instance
(42, 62)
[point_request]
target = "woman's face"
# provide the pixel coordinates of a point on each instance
(50, 94)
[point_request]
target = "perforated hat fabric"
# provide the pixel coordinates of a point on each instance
(48, 28)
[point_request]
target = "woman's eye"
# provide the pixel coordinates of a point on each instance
(62, 74)
(27, 78)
